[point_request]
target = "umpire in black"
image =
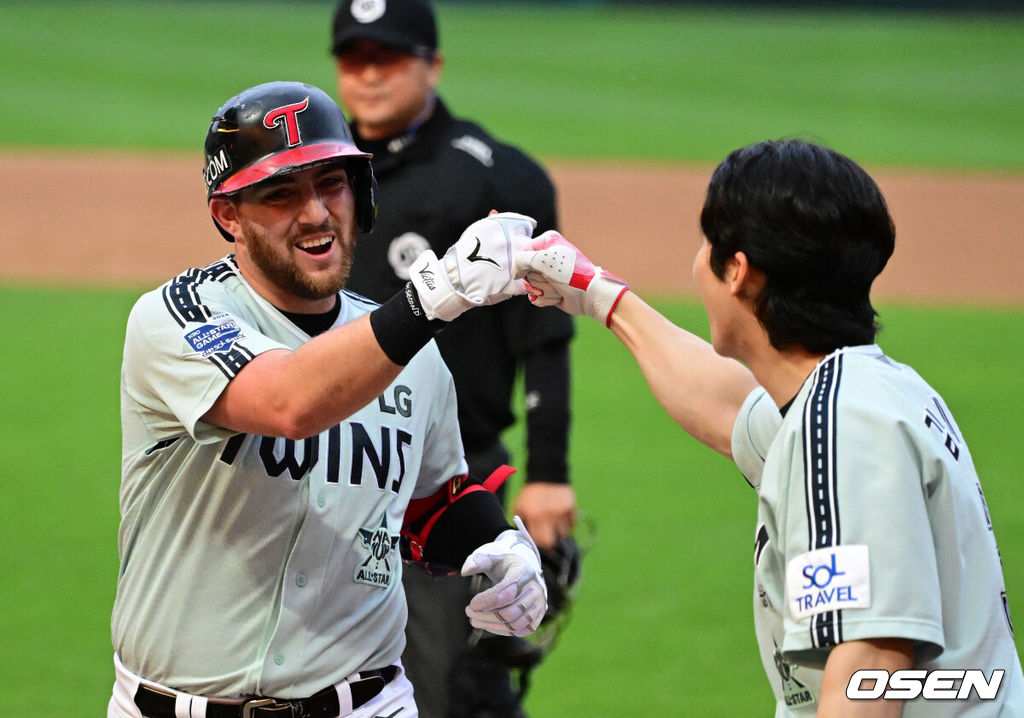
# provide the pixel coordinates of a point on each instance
(438, 173)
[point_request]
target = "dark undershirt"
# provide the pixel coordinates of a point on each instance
(314, 324)
(785, 407)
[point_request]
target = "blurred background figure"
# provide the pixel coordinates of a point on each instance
(436, 174)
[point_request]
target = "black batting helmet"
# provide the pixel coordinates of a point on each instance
(281, 127)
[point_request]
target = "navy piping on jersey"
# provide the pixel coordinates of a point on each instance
(181, 297)
(822, 501)
(361, 299)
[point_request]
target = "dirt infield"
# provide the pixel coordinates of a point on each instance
(139, 219)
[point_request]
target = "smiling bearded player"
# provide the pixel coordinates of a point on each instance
(283, 437)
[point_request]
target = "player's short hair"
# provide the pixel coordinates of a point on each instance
(816, 225)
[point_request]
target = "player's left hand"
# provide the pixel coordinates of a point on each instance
(477, 270)
(548, 509)
(516, 603)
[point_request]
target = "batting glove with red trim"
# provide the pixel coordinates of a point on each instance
(559, 274)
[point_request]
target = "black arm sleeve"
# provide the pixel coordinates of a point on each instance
(401, 326)
(546, 379)
(473, 520)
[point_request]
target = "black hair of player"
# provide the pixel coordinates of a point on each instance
(818, 228)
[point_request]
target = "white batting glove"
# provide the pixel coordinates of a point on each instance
(516, 603)
(559, 274)
(476, 270)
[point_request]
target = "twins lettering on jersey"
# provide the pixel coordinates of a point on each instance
(386, 457)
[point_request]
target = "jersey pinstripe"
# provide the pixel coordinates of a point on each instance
(262, 565)
(872, 524)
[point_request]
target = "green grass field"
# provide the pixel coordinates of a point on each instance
(567, 81)
(663, 622)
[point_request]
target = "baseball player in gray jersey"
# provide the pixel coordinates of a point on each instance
(284, 441)
(874, 552)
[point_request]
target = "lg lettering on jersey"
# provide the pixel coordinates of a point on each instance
(937, 685)
(287, 116)
(402, 402)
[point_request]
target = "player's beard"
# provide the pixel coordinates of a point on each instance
(279, 266)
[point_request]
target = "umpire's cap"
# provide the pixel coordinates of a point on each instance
(406, 25)
(281, 127)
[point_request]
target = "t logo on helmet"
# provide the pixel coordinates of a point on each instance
(287, 116)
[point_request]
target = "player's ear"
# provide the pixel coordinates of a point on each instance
(744, 279)
(225, 214)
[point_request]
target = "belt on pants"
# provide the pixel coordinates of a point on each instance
(155, 703)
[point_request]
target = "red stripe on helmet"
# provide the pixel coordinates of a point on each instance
(289, 159)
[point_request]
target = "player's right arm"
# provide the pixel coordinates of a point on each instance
(295, 394)
(302, 392)
(702, 390)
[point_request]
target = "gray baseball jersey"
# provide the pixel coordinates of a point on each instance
(251, 564)
(872, 524)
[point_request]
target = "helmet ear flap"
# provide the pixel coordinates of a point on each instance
(223, 232)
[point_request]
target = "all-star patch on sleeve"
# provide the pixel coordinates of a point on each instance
(214, 337)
